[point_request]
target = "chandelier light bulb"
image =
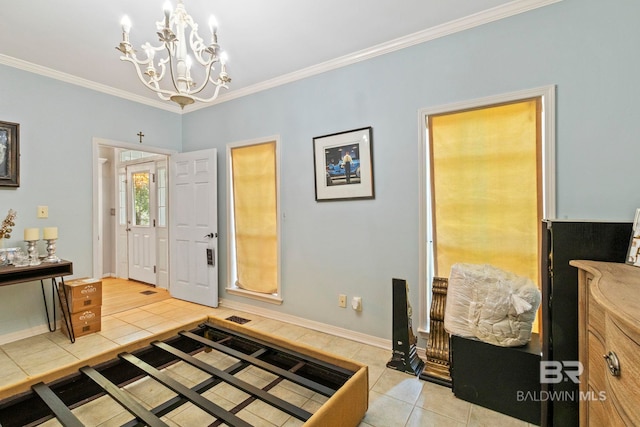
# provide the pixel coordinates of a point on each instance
(213, 24)
(126, 24)
(167, 8)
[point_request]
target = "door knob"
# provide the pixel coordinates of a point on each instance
(211, 235)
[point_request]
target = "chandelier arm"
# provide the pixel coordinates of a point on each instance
(163, 69)
(206, 80)
(152, 84)
(198, 47)
(214, 96)
(139, 72)
(173, 78)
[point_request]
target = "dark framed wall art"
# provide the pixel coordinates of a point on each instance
(343, 165)
(9, 154)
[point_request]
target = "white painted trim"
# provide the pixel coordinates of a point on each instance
(96, 143)
(231, 271)
(494, 14)
(309, 324)
(79, 81)
(271, 299)
(26, 333)
(548, 171)
(423, 230)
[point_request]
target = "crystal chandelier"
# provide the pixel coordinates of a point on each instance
(182, 90)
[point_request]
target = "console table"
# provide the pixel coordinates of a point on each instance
(11, 275)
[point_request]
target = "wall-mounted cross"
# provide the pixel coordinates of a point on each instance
(140, 134)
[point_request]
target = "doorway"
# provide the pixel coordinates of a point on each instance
(130, 215)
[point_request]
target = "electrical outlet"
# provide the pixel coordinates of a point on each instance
(342, 301)
(43, 212)
(356, 303)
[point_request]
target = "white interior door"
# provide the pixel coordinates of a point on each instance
(142, 222)
(194, 227)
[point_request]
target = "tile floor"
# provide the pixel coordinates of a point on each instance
(395, 398)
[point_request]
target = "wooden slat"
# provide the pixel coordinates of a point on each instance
(346, 372)
(200, 388)
(195, 398)
(270, 399)
(124, 399)
(57, 406)
(312, 385)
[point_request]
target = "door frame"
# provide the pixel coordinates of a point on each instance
(96, 144)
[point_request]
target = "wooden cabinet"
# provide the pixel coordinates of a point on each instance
(609, 343)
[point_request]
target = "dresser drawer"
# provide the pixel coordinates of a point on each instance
(596, 317)
(597, 367)
(624, 387)
(598, 415)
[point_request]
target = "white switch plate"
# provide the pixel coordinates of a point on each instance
(43, 211)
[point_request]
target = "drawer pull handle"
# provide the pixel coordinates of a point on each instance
(613, 363)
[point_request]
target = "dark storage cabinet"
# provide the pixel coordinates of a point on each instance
(504, 379)
(563, 241)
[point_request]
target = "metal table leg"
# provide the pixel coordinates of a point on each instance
(64, 308)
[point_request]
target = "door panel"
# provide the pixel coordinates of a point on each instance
(142, 230)
(193, 219)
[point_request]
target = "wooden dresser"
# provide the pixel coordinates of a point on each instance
(609, 343)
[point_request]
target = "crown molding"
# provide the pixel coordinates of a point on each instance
(78, 81)
(490, 15)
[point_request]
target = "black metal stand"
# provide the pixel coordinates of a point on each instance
(405, 357)
(64, 307)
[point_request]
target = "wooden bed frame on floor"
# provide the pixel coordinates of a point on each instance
(343, 382)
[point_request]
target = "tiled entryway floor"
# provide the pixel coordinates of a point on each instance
(395, 398)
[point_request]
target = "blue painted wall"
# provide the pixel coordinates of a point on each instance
(587, 48)
(57, 124)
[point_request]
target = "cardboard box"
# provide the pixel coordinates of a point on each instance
(82, 294)
(84, 322)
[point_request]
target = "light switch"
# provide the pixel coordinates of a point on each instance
(43, 211)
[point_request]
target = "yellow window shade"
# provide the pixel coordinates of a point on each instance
(486, 187)
(255, 216)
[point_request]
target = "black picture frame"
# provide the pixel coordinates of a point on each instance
(9, 154)
(332, 181)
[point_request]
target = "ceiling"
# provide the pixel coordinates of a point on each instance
(268, 42)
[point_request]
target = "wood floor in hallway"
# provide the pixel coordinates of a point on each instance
(120, 295)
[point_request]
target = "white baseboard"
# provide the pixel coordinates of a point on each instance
(306, 323)
(271, 314)
(25, 333)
